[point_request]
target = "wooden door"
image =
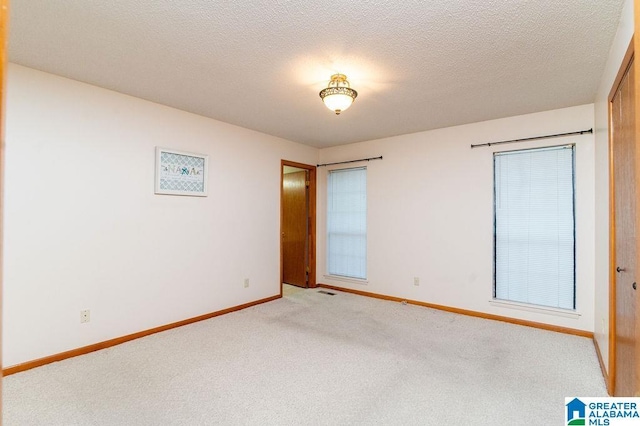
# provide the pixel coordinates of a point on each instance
(623, 149)
(295, 228)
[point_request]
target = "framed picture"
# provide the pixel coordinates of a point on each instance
(181, 173)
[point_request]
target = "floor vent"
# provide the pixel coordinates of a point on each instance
(326, 292)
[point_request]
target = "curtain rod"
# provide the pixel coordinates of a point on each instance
(535, 138)
(350, 161)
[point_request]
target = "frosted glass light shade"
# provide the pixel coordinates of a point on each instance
(338, 102)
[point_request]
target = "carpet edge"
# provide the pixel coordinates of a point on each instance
(28, 365)
(543, 326)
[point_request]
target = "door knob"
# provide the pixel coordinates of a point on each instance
(619, 269)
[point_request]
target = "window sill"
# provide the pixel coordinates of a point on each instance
(346, 279)
(535, 308)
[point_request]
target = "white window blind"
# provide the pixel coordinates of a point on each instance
(535, 227)
(347, 223)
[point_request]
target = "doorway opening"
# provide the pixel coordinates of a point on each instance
(297, 225)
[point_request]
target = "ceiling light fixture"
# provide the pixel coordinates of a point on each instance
(338, 95)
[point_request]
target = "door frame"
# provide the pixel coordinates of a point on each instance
(4, 41)
(629, 55)
(312, 222)
(636, 92)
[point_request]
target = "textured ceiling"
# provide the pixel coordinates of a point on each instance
(417, 65)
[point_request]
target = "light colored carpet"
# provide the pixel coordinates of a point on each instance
(315, 359)
(289, 290)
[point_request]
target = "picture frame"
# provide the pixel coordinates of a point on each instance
(181, 173)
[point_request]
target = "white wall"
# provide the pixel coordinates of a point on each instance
(616, 55)
(84, 230)
(430, 213)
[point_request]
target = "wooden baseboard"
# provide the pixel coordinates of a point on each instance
(603, 367)
(534, 324)
(118, 340)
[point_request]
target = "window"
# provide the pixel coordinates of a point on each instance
(535, 227)
(347, 223)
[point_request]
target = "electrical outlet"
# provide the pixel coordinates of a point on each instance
(85, 316)
(416, 281)
(246, 282)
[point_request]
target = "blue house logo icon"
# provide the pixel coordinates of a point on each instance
(576, 412)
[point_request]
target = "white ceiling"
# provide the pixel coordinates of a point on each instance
(417, 65)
